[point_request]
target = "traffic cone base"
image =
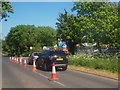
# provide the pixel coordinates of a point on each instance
(33, 68)
(53, 77)
(17, 61)
(20, 61)
(13, 59)
(25, 64)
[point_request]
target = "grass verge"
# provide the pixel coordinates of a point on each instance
(102, 66)
(103, 73)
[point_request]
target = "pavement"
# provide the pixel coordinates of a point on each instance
(17, 76)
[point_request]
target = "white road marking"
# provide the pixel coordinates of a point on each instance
(41, 75)
(48, 78)
(59, 83)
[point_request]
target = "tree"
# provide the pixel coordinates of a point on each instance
(45, 36)
(99, 21)
(68, 29)
(94, 22)
(22, 37)
(4, 45)
(5, 9)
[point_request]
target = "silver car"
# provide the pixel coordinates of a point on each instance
(33, 56)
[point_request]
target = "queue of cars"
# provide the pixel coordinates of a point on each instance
(47, 57)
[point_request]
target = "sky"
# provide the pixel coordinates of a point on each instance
(35, 13)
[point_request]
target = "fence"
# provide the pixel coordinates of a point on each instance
(94, 50)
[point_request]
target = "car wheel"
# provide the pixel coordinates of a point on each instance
(37, 64)
(29, 62)
(64, 68)
(45, 67)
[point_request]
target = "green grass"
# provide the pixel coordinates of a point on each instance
(110, 63)
(4, 53)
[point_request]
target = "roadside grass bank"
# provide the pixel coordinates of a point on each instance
(4, 53)
(103, 73)
(103, 66)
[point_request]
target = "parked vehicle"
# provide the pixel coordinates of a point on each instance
(33, 55)
(47, 57)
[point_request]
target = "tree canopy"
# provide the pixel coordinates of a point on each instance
(22, 37)
(5, 9)
(95, 22)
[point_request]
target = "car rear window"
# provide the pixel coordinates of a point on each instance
(36, 54)
(60, 53)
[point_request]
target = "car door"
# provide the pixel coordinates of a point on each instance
(41, 58)
(30, 58)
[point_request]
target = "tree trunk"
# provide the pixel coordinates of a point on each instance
(99, 47)
(71, 47)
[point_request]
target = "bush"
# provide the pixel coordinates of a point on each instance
(4, 53)
(25, 54)
(110, 63)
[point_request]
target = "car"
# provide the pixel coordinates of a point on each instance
(33, 55)
(47, 57)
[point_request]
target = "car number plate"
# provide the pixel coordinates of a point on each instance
(59, 58)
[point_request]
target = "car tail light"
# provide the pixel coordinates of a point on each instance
(50, 57)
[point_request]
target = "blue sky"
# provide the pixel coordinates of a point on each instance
(35, 13)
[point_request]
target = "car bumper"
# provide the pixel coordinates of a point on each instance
(57, 65)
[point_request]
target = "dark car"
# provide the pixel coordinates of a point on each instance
(33, 55)
(47, 57)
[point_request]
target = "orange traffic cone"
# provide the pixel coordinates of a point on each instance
(20, 61)
(25, 64)
(10, 58)
(34, 66)
(14, 59)
(53, 76)
(17, 60)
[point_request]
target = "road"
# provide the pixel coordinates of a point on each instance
(17, 76)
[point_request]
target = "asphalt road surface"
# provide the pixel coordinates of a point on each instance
(17, 76)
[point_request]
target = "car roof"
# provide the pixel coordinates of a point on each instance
(53, 50)
(36, 52)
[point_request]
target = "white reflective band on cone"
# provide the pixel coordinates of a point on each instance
(24, 61)
(34, 63)
(53, 69)
(20, 59)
